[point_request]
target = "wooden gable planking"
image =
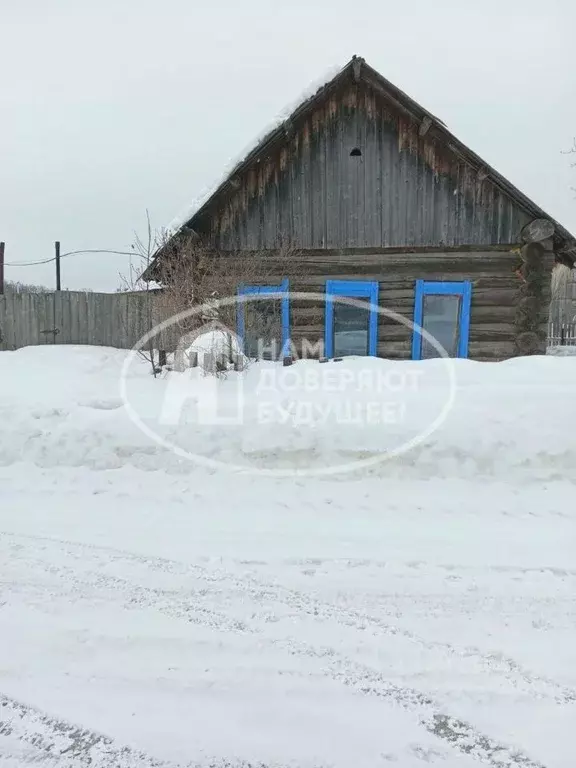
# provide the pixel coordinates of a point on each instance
(406, 189)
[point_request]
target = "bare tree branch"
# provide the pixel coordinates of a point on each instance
(195, 274)
(133, 283)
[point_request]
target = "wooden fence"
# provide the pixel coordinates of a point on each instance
(562, 334)
(75, 317)
(562, 321)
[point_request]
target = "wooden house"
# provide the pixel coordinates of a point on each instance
(385, 207)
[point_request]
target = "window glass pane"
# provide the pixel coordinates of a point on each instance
(350, 329)
(441, 318)
(263, 328)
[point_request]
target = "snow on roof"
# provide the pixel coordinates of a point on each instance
(192, 208)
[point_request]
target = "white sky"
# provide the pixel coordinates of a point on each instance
(110, 107)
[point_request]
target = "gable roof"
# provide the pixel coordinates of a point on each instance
(357, 70)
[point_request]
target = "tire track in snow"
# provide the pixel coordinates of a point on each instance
(356, 562)
(72, 746)
(460, 734)
(500, 664)
(362, 678)
(169, 602)
(506, 666)
(66, 745)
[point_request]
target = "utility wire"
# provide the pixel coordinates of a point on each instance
(70, 253)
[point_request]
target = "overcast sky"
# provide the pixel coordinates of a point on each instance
(110, 107)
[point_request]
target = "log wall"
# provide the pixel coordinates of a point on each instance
(496, 291)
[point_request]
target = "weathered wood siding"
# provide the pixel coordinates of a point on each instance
(75, 317)
(404, 190)
(495, 292)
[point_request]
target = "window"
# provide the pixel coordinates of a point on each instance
(442, 310)
(351, 328)
(263, 319)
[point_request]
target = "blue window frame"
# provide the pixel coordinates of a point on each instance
(352, 289)
(458, 324)
(281, 292)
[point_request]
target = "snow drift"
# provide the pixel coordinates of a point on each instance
(63, 406)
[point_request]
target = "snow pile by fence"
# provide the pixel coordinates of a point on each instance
(67, 406)
(562, 351)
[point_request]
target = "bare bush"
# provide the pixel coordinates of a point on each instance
(134, 282)
(183, 272)
(18, 287)
(194, 275)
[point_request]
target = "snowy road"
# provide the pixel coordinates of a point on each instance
(160, 628)
(154, 615)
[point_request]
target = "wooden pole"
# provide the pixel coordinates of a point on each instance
(57, 249)
(2, 247)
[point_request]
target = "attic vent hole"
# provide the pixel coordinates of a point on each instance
(356, 152)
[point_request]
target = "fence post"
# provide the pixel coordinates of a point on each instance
(1, 268)
(57, 249)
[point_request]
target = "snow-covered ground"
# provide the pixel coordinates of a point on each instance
(158, 612)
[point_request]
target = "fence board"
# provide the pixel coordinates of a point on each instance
(562, 320)
(106, 319)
